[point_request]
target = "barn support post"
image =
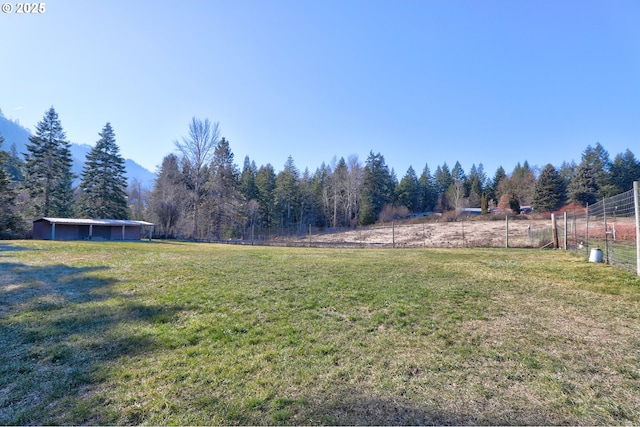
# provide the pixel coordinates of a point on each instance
(53, 231)
(90, 231)
(123, 232)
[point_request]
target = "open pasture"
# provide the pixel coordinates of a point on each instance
(180, 333)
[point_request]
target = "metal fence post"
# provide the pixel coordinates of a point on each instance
(586, 238)
(606, 233)
(636, 204)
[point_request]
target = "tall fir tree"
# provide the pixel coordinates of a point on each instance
(408, 191)
(48, 176)
(9, 221)
(265, 187)
(248, 180)
(104, 184)
(583, 187)
(474, 185)
(428, 194)
(224, 189)
(442, 179)
(623, 171)
(600, 164)
(378, 188)
(286, 193)
(15, 165)
(493, 192)
(549, 191)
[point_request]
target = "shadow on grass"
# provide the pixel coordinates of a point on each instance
(359, 406)
(6, 247)
(60, 328)
(356, 407)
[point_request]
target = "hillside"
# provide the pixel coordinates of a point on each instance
(14, 133)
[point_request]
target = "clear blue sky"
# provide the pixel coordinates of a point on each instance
(420, 81)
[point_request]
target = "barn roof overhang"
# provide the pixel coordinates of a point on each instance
(104, 222)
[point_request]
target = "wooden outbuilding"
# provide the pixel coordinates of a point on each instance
(90, 229)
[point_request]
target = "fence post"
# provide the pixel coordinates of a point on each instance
(506, 234)
(393, 234)
(566, 235)
(636, 203)
(606, 233)
(554, 231)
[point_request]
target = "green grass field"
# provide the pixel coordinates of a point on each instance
(179, 333)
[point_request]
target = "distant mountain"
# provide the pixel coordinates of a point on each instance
(134, 170)
(13, 133)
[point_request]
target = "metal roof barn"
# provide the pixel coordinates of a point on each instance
(90, 229)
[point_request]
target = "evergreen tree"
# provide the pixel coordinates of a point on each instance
(265, 186)
(408, 191)
(248, 180)
(598, 160)
(475, 184)
(549, 193)
(566, 171)
(583, 187)
(48, 177)
(377, 188)
(457, 173)
(9, 221)
(493, 192)
(306, 200)
(320, 184)
(286, 193)
(427, 190)
(623, 171)
(104, 184)
(15, 165)
(223, 188)
(442, 179)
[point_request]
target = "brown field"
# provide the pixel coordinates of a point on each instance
(468, 232)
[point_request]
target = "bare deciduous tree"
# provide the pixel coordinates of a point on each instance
(198, 149)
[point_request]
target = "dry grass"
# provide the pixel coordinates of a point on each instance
(161, 333)
(465, 232)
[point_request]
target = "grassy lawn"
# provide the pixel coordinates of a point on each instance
(178, 333)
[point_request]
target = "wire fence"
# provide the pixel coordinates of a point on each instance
(498, 230)
(610, 226)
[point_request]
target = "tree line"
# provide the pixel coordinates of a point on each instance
(201, 193)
